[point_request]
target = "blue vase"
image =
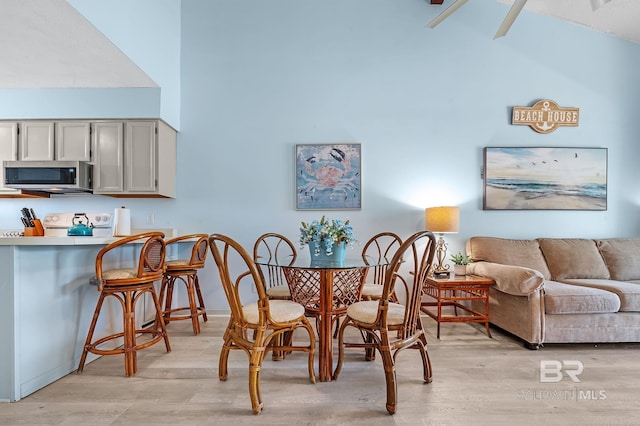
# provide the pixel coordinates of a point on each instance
(337, 255)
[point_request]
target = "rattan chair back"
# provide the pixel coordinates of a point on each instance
(276, 250)
(380, 248)
(151, 260)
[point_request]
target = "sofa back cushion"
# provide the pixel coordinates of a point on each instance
(573, 258)
(622, 257)
(525, 253)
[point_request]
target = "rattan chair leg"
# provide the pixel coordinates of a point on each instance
(196, 285)
(129, 329)
(166, 295)
(255, 365)
(223, 372)
(426, 362)
(160, 320)
(338, 368)
(193, 307)
(390, 376)
(312, 349)
(92, 328)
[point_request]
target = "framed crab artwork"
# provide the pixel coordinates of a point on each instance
(328, 177)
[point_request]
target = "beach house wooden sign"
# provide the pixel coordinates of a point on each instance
(545, 116)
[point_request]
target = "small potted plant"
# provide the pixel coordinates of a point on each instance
(460, 262)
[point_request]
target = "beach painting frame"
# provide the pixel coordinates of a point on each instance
(329, 176)
(545, 178)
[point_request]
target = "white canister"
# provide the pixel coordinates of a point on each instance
(122, 222)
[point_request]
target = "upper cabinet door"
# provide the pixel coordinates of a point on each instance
(140, 156)
(73, 141)
(8, 150)
(108, 157)
(36, 141)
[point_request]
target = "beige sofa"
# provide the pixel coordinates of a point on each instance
(562, 290)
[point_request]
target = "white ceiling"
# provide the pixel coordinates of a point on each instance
(620, 18)
(48, 44)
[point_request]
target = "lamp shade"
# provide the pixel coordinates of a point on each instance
(442, 220)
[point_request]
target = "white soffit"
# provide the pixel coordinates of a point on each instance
(620, 18)
(48, 44)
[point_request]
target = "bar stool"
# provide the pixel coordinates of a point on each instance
(185, 270)
(128, 285)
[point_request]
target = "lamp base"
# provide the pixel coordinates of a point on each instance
(441, 274)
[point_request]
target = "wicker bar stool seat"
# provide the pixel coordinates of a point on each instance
(185, 271)
(128, 286)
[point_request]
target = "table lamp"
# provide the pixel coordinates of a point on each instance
(442, 220)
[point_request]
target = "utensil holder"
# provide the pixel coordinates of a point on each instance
(37, 230)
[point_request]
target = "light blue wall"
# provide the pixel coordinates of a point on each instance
(423, 103)
(148, 32)
(259, 77)
(80, 103)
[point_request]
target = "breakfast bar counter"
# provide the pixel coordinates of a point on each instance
(46, 306)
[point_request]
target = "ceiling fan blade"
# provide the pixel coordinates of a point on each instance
(597, 4)
(511, 16)
(448, 11)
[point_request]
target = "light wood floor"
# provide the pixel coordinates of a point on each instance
(477, 381)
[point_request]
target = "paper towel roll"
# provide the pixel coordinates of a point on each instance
(121, 222)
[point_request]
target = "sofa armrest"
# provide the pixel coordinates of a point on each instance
(515, 280)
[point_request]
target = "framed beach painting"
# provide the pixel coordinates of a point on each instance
(328, 176)
(545, 178)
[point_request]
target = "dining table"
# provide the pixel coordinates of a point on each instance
(326, 289)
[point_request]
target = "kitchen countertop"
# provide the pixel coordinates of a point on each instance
(74, 241)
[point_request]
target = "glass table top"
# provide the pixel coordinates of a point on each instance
(306, 263)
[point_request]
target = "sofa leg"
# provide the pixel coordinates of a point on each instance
(533, 346)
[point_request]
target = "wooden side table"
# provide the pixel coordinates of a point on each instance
(453, 291)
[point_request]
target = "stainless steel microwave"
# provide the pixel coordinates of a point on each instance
(48, 176)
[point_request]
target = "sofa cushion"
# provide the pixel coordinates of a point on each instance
(525, 253)
(561, 298)
(573, 258)
(510, 279)
(622, 257)
(627, 292)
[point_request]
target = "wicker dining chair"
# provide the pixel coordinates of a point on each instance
(381, 247)
(185, 271)
(277, 250)
(391, 326)
(127, 286)
(254, 325)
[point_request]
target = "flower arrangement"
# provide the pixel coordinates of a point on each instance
(325, 233)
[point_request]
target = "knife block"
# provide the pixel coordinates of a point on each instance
(36, 231)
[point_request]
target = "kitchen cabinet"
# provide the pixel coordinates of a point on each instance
(49, 140)
(8, 151)
(36, 141)
(108, 145)
(130, 158)
(140, 169)
(73, 141)
(142, 163)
